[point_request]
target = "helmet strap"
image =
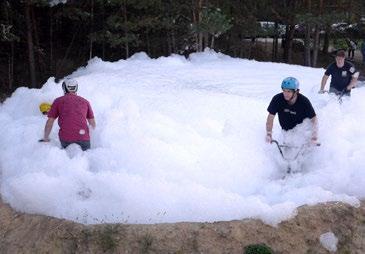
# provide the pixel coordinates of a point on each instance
(294, 94)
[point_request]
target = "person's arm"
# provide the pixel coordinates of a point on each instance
(269, 125)
(314, 121)
(353, 81)
(90, 116)
(323, 83)
(92, 122)
(48, 128)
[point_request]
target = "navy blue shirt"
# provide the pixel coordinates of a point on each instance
(341, 77)
(291, 115)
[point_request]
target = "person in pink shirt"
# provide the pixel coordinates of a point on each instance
(74, 114)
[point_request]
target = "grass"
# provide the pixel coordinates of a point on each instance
(106, 239)
(258, 249)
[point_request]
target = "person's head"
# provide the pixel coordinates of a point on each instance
(340, 58)
(290, 87)
(69, 86)
(45, 107)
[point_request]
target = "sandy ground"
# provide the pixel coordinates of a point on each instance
(24, 233)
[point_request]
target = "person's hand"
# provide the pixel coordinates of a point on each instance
(268, 138)
(314, 141)
(348, 88)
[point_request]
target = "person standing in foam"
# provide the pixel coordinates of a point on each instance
(343, 76)
(292, 108)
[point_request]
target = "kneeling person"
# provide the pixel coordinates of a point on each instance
(74, 113)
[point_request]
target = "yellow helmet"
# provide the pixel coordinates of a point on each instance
(45, 107)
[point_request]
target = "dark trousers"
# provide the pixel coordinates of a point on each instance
(339, 93)
(85, 145)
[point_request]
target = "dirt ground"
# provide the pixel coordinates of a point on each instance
(25, 233)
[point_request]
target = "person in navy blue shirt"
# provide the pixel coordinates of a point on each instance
(343, 75)
(292, 108)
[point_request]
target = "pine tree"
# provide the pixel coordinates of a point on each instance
(214, 23)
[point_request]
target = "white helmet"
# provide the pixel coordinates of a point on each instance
(69, 85)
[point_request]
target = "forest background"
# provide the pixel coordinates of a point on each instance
(41, 39)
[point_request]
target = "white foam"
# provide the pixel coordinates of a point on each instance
(179, 140)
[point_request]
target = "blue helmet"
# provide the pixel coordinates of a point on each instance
(290, 83)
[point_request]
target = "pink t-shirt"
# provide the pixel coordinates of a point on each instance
(72, 112)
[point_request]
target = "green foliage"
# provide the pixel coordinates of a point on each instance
(117, 40)
(40, 3)
(308, 18)
(267, 29)
(123, 26)
(6, 33)
(214, 22)
(74, 14)
(340, 44)
(112, 29)
(120, 32)
(258, 249)
(327, 19)
(248, 26)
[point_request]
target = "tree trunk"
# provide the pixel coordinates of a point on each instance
(288, 43)
(126, 44)
(307, 45)
(9, 19)
(104, 30)
(11, 68)
(60, 66)
(30, 44)
(326, 43)
(39, 54)
(275, 43)
(173, 42)
(200, 42)
(206, 40)
(148, 44)
(51, 62)
(212, 42)
(316, 46)
(169, 43)
(195, 23)
(91, 29)
(201, 36)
